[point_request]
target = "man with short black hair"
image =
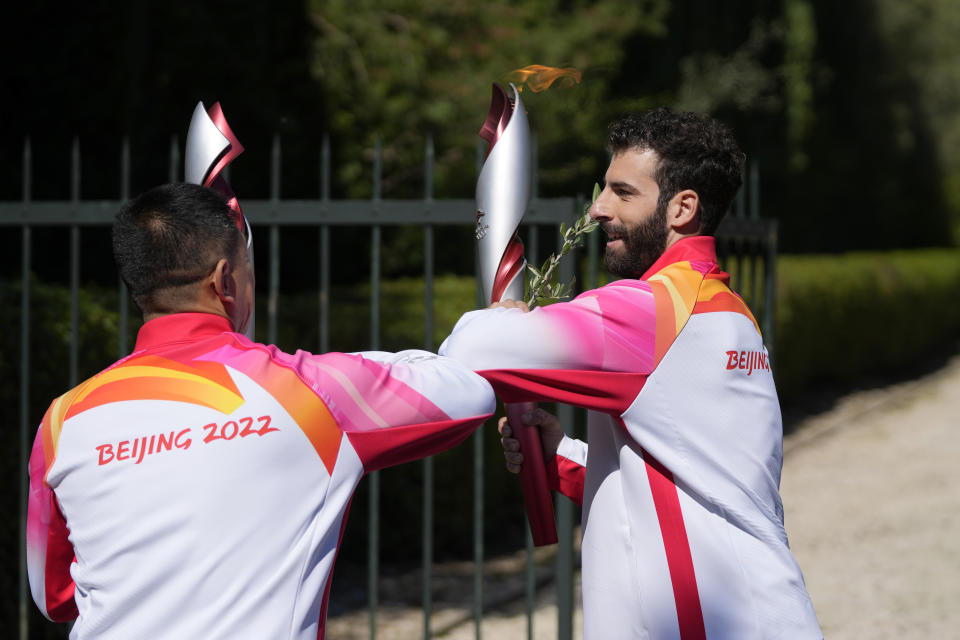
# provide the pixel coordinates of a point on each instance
(164, 256)
(683, 531)
(199, 487)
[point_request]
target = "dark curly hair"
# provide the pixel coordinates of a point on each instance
(696, 152)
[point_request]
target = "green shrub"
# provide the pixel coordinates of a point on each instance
(841, 317)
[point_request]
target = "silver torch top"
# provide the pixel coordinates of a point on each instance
(503, 191)
(211, 146)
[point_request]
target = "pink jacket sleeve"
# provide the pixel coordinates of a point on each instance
(594, 352)
(398, 407)
(49, 551)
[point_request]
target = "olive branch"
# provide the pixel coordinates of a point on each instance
(543, 284)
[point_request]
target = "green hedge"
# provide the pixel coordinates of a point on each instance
(840, 318)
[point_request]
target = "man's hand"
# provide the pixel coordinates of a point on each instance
(551, 433)
(511, 304)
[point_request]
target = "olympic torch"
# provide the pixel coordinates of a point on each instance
(503, 190)
(211, 146)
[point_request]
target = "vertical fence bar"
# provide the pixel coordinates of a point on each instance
(565, 511)
(428, 345)
(478, 533)
(770, 260)
(478, 463)
(122, 328)
(173, 169)
(373, 548)
(25, 241)
(477, 486)
(529, 590)
(593, 260)
(325, 246)
(593, 252)
(324, 288)
(74, 262)
(770, 290)
(532, 255)
(533, 245)
(585, 280)
(274, 293)
(533, 235)
(739, 281)
(756, 262)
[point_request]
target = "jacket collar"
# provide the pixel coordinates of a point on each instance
(691, 249)
(180, 327)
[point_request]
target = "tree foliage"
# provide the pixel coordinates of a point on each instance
(402, 69)
(849, 109)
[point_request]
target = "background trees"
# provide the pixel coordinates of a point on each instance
(850, 108)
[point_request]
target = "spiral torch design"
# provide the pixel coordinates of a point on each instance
(211, 146)
(503, 191)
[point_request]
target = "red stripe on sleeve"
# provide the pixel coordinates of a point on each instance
(379, 448)
(567, 477)
(607, 391)
(59, 585)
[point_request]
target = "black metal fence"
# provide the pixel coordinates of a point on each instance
(746, 243)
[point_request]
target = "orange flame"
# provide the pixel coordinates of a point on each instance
(539, 78)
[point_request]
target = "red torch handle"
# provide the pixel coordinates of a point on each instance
(533, 476)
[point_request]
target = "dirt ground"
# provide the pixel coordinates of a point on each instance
(871, 492)
(871, 495)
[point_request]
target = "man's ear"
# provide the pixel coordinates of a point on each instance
(222, 281)
(683, 213)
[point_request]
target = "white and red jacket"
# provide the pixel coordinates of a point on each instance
(683, 531)
(199, 487)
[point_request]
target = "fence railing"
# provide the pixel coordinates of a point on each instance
(746, 243)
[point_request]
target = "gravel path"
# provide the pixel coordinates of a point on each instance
(871, 492)
(871, 495)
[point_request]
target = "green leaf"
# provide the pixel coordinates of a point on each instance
(596, 191)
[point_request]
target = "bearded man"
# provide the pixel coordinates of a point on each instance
(683, 532)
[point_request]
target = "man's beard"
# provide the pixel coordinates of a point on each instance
(643, 243)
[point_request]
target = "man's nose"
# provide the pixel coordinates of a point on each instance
(598, 210)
